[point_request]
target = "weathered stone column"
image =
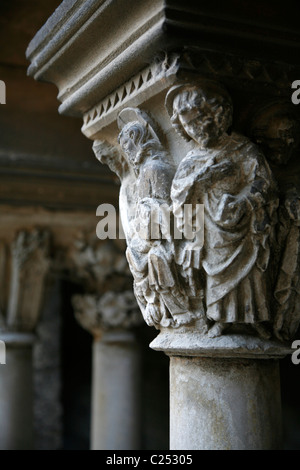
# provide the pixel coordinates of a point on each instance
(224, 394)
(211, 219)
(24, 267)
(110, 312)
(224, 404)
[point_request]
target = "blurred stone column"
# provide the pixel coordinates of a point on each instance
(115, 421)
(23, 270)
(110, 312)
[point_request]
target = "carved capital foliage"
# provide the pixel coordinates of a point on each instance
(103, 271)
(112, 310)
(98, 265)
(238, 274)
(23, 271)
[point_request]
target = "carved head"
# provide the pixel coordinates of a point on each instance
(276, 128)
(133, 138)
(109, 155)
(137, 138)
(202, 112)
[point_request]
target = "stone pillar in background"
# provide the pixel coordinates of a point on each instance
(211, 217)
(48, 377)
(109, 312)
(24, 265)
(24, 268)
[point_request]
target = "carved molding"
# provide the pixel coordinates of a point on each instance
(23, 272)
(274, 77)
(129, 41)
(148, 82)
(237, 71)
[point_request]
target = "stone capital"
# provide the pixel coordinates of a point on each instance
(24, 266)
(111, 311)
(108, 302)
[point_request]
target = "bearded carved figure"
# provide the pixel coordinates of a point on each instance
(229, 175)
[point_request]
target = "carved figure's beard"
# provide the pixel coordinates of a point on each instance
(204, 131)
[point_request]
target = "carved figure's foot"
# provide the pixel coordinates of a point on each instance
(217, 329)
(262, 330)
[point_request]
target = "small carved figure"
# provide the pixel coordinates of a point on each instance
(276, 128)
(230, 176)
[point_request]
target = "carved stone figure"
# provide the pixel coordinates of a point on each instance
(276, 128)
(157, 287)
(230, 176)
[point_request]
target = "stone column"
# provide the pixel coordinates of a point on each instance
(24, 267)
(211, 217)
(16, 395)
(110, 314)
(224, 393)
(224, 404)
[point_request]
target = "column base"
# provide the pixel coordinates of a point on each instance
(190, 342)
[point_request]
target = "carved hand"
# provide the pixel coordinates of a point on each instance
(230, 210)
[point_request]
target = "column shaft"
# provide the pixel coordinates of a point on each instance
(16, 394)
(115, 393)
(226, 404)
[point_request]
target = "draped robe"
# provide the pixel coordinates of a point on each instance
(235, 185)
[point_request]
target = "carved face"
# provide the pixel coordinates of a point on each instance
(278, 135)
(203, 117)
(133, 138)
(128, 145)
